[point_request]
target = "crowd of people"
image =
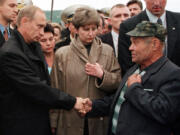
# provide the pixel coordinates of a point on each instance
(109, 71)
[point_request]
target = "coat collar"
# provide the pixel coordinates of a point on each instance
(80, 50)
(37, 55)
(152, 69)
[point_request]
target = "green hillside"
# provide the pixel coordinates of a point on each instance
(55, 17)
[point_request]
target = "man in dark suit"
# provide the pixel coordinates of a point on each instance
(118, 14)
(170, 20)
(8, 11)
(25, 92)
(147, 101)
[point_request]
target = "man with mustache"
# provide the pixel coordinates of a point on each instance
(155, 10)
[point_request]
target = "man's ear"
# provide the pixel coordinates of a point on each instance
(156, 43)
(109, 21)
(24, 20)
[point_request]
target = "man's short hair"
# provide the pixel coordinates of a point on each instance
(29, 12)
(85, 16)
(130, 2)
(116, 6)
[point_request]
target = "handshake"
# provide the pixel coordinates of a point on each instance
(83, 106)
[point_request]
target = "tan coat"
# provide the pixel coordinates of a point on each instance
(68, 74)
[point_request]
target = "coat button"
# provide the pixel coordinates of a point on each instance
(101, 118)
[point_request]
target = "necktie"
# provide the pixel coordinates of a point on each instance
(120, 101)
(5, 34)
(159, 21)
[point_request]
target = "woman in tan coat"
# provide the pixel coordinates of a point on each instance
(85, 68)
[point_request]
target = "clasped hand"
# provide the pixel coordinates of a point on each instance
(83, 106)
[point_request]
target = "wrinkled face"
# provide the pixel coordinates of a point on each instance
(47, 42)
(87, 33)
(118, 15)
(141, 50)
(57, 34)
(8, 10)
(156, 7)
(134, 9)
(35, 27)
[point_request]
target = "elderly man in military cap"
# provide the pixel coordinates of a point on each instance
(147, 100)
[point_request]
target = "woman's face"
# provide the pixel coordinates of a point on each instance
(87, 33)
(47, 42)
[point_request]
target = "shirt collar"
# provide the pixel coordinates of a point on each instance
(2, 28)
(153, 18)
(114, 34)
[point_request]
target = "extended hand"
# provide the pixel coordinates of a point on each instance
(94, 70)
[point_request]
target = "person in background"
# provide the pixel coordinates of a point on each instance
(57, 31)
(135, 7)
(20, 4)
(26, 95)
(68, 33)
(105, 27)
(8, 12)
(147, 100)
(154, 12)
(47, 42)
(85, 68)
(118, 14)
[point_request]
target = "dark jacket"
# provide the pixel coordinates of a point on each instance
(150, 108)
(108, 39)
(65, 39)
(25, 95)
(173, 34)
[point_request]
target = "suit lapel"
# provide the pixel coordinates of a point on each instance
(2, 40)
(143, 16)
(172, 33)
(152, 69)
(130, 72)
(110, 38)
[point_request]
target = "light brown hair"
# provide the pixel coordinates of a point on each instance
(85, 16)
(27, 11)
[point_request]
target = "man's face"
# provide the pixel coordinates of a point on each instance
(141, 50)
(156, 7)
(87, 33)
(47, 42)
(118, 15)
(35, 27)
(134, 9)
(8, 11)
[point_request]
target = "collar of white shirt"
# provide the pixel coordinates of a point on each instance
(153, 18)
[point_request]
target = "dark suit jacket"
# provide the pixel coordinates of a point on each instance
(150, 108)
(173, 29)
(25, 95)
(108, 39)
